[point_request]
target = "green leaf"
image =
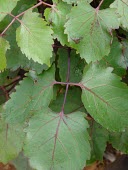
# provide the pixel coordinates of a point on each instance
(11, 141)
(73, 101)
(30, 96)
(105, 97)
(57, 19)
(4, 45)
(125, 52)
(34, 38)
(76, 65)
(106, 4)
(89, 30)
(99, 137)
(6, 7)
(16, 59)
(121, 7)
(21, 163)
(76, 1)
(120, 141)
(57, 141)
(116, 58)
(3, 77)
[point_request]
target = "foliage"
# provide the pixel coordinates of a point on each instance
(63, 82)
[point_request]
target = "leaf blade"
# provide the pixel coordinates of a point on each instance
(105, 97)
(6, 7)
(34, 38)
(55, 134)
(4, 46)
(89, 30)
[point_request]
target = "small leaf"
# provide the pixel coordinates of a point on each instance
(116, 58)
(11, 141)
(99, 137)
(4, 45)
(30, 96)
(21, 163)
(125, 52)
(121, 7)
(6, 7)
(34, 38)
(89, 30)
(76, 65)
(120, 141)
(16, 59)
(57, 19)
(57, 141)
(105, 97)
(73, 101)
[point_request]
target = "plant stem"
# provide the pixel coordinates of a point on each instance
(7, 27)
(99, 5)
(17, 17)
(67, 80)
(69, 83)
(35, 6)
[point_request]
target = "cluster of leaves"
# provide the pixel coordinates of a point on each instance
(63, 74)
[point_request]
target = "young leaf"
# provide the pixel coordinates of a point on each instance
(121, 7)
(11, 141)
(57, 19)
(16, 59)
(57, 141)
(30, 96)
(105, 97)
(34, 38)
(89, 30)
(6, 7)
(4, 45)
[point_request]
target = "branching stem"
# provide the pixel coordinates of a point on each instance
(17, 17)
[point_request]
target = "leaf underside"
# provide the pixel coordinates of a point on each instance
(34, 38)
(105, 97)
(56, 141)
(89, 30)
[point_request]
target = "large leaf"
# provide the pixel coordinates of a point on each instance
(34, 38)
(57, 141)
(4, 45)
(31, 95)
(121, 7)
(11, 141)
(6, 7)
(89, 30)
(105, 97)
